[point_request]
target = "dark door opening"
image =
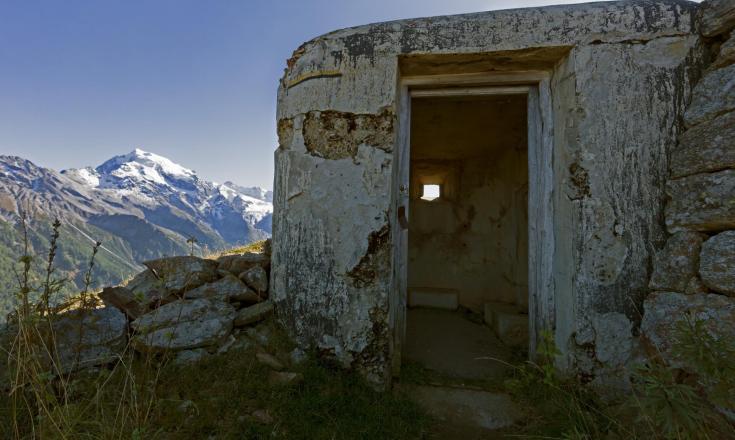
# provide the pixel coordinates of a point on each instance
(468, 233)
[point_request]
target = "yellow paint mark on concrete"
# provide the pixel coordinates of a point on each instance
(311, 75)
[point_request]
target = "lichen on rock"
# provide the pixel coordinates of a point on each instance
(663, 311)
(717, 263)
(701, 202)
(183, 325)
(677, 263)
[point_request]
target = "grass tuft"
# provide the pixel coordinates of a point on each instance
(255, 247)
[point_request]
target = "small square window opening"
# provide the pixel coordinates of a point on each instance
(430, 192)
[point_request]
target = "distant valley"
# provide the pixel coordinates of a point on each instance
(139, 205)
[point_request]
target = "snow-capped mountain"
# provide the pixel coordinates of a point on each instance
(140, 205)
(158, 186)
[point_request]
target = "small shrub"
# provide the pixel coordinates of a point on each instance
(562, 407)
(710, 358)
(666, 403)
(671, 407)
(682, 401)
(43, 398)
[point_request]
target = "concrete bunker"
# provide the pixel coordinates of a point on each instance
(605, 87)
(468, 239)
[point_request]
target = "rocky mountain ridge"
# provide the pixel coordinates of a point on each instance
(140, 205)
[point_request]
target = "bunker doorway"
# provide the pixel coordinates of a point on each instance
(467, 259)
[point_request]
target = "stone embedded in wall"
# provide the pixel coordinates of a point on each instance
(124, 299)
(702, 202)
(147, 289)
(85, 338)
(695, 285)
(237, 264)
(256, 278)
(707, 147)
(664, 310)
(253, 314)
(613, 338)
(183, 325)
(178, 274)
(229, 288)
(677, 263)
(717, 263)
(716, 17)
(713, 95)
(727, 53)
(336, 135)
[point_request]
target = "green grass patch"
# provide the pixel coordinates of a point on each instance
(330, 403)
(149, 398)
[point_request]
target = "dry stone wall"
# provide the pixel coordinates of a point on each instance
(694, 273)
(185, 308)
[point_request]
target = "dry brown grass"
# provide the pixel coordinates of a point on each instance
(254, 247)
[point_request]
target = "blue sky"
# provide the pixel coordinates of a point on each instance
(193, 80)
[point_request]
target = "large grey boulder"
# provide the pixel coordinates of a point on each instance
(707, 147)
(86, 338)
(183, 325)
(702, 202)
(716, 17)
(237, 264)
(713, 95)
(717, 263)
(664, 310)
(229, 288)
(677, 263)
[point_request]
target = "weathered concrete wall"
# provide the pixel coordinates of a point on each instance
(628, 102)
(475, 238)
(618, 94)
